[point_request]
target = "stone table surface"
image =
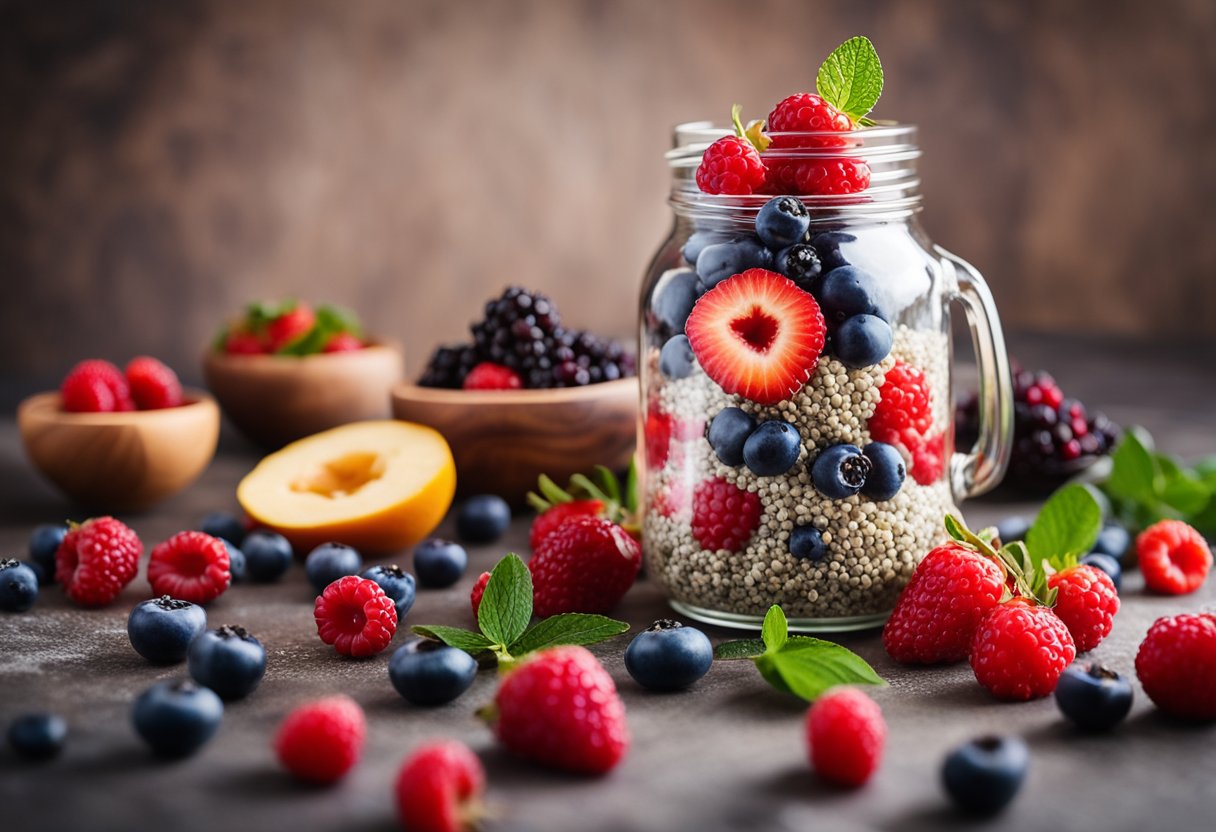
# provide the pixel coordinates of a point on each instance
(728, 754)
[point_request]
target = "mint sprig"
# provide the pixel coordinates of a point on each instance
(1066, 527)
(851, 79)
(1145, 486)
(800, 665)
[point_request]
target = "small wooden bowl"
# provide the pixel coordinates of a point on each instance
(503, 440)
(276, 399)
(120, 461)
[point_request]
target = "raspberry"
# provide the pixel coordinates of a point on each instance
(96, 560)
(355, 616)
(1174, 558)
(479, 589)
(723, 516)
(290, 327)
(903, 418)
(586, 565)
(658, 438)
(1020, 650)
(490, 376)
(1086, 603)
(95, 386)
(320, 741)
(845, 733)
(153, 385)
(551, 519)
(806, 113)
(438, 788)
(818, 177)
(343, 342)
(560, 708)
(672, 501)
(1176, 664)
(731, 165)
(190, 566)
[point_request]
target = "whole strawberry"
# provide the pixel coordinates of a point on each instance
(1176, 665)
(1086, 602)
(439, 788)
(96, 560)
(560, 708)
(550, 519)
(586, 565)
(290, 327)
(1020, 650)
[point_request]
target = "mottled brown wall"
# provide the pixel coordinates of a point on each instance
(163, 162)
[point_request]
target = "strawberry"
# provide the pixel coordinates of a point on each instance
(550, 519)
(1086, 602)
(598, 495)
(239, 342)
(585, 565)
(490, 376)
(290, 327)
(343, 342)
(1020, 650)
(758, 335)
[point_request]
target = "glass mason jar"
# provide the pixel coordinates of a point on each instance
(726, 542)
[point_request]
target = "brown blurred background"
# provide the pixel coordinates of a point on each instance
(163, 163)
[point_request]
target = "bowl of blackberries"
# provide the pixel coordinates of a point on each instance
(525, 395)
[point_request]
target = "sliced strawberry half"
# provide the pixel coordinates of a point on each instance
(758, 335)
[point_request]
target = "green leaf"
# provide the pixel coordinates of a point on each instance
(567, 628)
(809, 666)
(1179, 488)
(339, 319)
(1067, 526)
(506, 606)
(465, 640)
(851, 77)
(632, 487)
(775, 630)
(767, 665)
(746, 648)
(1205, 469)
(1133, 472)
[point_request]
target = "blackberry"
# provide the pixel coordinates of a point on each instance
(448, 366)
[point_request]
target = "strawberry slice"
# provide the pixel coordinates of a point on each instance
(758, 335)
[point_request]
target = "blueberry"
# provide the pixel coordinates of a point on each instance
(225, 525)
(887, 471)
(697, 241)
(38, 736)
(1012, 528)
(674, 300)
(267, 556)
(722, 260)
(1093, 697)
(439, 563)
(840, 471)
(44, 543)
(668, 656)
(828, 244)
(161, 629)
(772, 449)
(1107, 564)
(862, 341)
(727, 434)
(782, 221)
(39, 574)
(18, 586)
(397, 584)
(847, 291)
(676, 359)
(983, 775)
(177, 717)
(1114, 541)
(482, 519)
(229, 661)
(236, 560)
(806, 543)
(425, 672)
(330, 561)
(800, 264)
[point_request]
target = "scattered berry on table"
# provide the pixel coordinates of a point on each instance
(426, 672)
(1107, 564)
(228, 660)
(319, 742)
(224, 524)
(731, 165)
(479, 590)
(668, 656)
(758, 335)
(845, 735)
(559, 708)
(439, 788)
(18, 586)
(153, 385)
(673, 301)
(44, 543)
(236, 561)
(720, 261)
(1114, 541)
(723, 515)
(40, 576)
(806, 543)
(586, 565)
(1012, 528)
(1174, 558)
(728, 433)
(887, 472)
(191, 566)
(848, 291)
(161, 629)
(1093, 697)
(439, 563)
(1086, 603)
(177, 717)
(782, 221)
(290, 327)
(96, 560)
(558, 515)
(483, 518)
(840, 471)
(95, 386)
(343, 342)
(38, 736)
(1176, 665)
(862, 341)
(772, 448)
(982, 776)
(800, 263)
(355, 616)
(267, 556)
(397, 584)
(1020, 650)
(330, 561)
(490, 376)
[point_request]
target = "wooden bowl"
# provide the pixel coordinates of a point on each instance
(276, 399)
(503, 440)
(120, 461)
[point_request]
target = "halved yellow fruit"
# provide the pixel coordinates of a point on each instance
(378, 486)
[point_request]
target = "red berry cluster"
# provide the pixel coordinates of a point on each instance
(292, 327)
(903, 417)
(97, 386)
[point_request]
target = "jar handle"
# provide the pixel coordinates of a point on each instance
(981, 468)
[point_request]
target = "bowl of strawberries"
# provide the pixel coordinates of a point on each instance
(285, 370)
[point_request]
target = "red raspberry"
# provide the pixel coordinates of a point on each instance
(1174, 558)
(1176, 664)
(290, 327)
(845, 735)
(731, 165)
(723, 516)
(190, 566)
(586, 565)
(355, 616)
(96, 560)
(153, 385)
(818, 177)
(928, 458)
(806, 113)
(243, 343)
(551, 519)
(343, 342)
(659, 426)
(95, 386)
(320, 741)
(1020, 650)
(936, 617)
(672, 501)
(903, 418)
(1086, 603)
(559, 708)
(490, 376)
(438, 788)
(479, 589)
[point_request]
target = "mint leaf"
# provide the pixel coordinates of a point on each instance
(775, 630)
(1179, 488)
(851, 78)
(566, 628)
(506, 606)
(465, 640)
(747, 648)
(809, 666)
(1067, 526)
(1133, 472)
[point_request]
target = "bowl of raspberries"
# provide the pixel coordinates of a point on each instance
(526, 395)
